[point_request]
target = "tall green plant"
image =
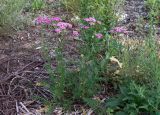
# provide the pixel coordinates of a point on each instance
(80, 85)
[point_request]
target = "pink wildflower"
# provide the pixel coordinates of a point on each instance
(58, 30)
(58, 19)
(75, 33)
(39, 20)
(69, 25)
(85, 27)
(43, 20)
(99, 35)
(64, 25)
(47, 20)
(90, 19)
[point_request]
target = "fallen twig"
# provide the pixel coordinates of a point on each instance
(24, 107)
(17, 108)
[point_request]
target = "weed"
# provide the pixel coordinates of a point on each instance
(135, 99)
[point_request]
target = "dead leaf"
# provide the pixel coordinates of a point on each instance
(115, 61)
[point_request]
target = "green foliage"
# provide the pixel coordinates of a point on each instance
(139, 92)
(38, 4)
(10, 15)
(135, 99)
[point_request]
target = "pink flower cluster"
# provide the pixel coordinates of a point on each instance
(90, 20)
(63, 25)
(57, 30)
(43, 20)
(99, 35)
(60, 26)
(75, 33)
(54, 22)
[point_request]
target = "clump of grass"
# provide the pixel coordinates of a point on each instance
(154, 8)
(10, 15)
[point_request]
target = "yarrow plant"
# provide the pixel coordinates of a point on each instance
(54, 23)
(83, 82)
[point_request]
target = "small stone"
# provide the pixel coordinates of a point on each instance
(38, 48)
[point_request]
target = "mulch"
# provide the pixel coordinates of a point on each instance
(21, 67)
